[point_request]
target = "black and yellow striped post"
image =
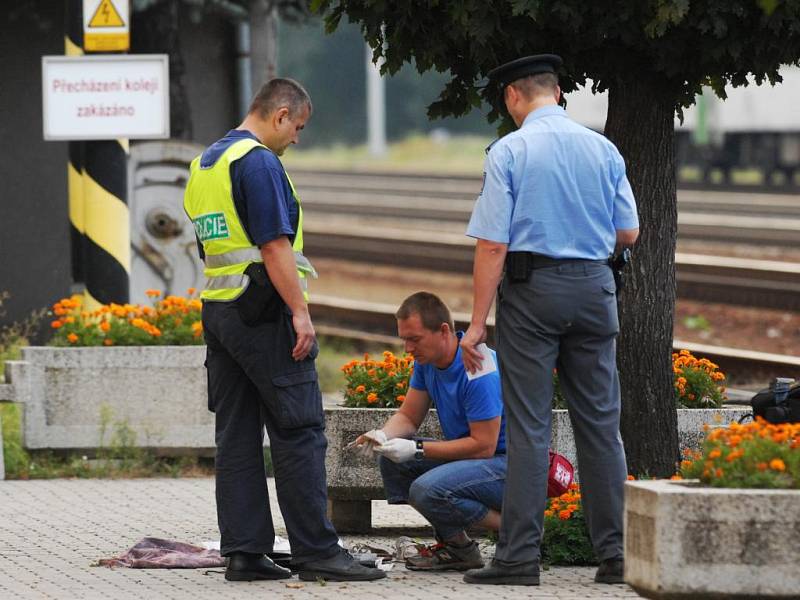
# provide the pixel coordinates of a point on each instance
(73, 46)
(99, 216)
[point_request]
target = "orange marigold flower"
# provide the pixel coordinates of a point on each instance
(191, 291)
(548, 513)
(719, 472)
(108, 342)
(152, 293)
(762, 466)
(72, 338)
(631, 478)
(776, 464)
(715, 453)
(401, 398)
(56, 324)
(105, 326)
(564, 515)
(372, 397)
(360, 388)
(676, 477)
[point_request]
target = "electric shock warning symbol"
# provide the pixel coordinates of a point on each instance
(106, 25)
(106, 15)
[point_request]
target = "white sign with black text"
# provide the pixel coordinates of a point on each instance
(105, 97)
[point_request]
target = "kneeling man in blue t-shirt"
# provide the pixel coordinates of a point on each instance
(457, 482)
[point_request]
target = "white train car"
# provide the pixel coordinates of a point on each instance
(756, 127)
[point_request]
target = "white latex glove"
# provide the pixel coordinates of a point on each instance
(366, 443)
(398, 450)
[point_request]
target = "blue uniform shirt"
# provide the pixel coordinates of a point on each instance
(458, 401)
(555, 188)
(261, 192)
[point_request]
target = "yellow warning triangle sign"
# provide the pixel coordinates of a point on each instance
(106, 15)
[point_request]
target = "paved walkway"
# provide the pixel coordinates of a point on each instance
(51, 532)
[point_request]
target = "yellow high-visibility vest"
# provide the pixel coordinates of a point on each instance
(208, 202)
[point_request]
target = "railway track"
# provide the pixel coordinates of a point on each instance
(747, 282)
(375, 322)
(738, 217)
(354, 216)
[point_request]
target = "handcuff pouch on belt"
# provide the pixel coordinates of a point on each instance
(519, 266)
(260, 302)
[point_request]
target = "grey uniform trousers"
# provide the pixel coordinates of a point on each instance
(564, 317)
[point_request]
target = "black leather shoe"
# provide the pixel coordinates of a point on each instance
(243, 566)
(499, 574)
(339, 567)
(611, 570)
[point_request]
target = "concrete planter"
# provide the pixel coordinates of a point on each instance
(687, 541)
(75, 398)
(354, 481)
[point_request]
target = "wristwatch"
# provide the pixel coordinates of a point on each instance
(420, 452)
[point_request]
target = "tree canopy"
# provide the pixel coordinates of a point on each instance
(678, 45)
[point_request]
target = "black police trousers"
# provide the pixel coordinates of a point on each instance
(253, 383)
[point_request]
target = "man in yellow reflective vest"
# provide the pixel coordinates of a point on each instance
(261, 346)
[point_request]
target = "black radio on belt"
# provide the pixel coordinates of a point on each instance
(519, 266)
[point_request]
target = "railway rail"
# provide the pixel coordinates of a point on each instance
(375, 322)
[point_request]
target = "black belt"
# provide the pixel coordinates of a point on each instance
(540, 261)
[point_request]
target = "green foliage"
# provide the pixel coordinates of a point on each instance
(331, 67)
(697, 322)
(116, 457)
(675, 46)
(565, 540)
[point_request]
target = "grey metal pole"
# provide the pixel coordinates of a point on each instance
(244, 76)
(376, 107)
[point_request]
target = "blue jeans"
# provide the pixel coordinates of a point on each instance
(451, 495)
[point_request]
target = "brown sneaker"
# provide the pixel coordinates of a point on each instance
(446, 557)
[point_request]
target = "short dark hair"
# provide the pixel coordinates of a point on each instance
(536, 85)
(430, 308)
(278, 93)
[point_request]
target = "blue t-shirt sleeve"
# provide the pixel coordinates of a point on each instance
(491, 217)
(483, 399)
(266, 196)
(625, 214)
(418, 379)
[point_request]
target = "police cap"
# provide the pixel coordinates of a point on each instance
(523, 67)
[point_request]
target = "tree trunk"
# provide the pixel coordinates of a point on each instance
(640, 123)
(156, 31)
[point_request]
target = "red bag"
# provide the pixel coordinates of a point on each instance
(560, 475)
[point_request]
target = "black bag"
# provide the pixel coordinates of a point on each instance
(779, 403)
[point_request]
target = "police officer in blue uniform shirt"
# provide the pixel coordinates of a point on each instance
(555, 205)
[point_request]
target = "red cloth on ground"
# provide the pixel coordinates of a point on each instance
(155, 553)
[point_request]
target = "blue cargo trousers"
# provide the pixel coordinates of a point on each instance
(253, 383)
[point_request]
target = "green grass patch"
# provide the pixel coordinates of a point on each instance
(117, 459)
(419, 153)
